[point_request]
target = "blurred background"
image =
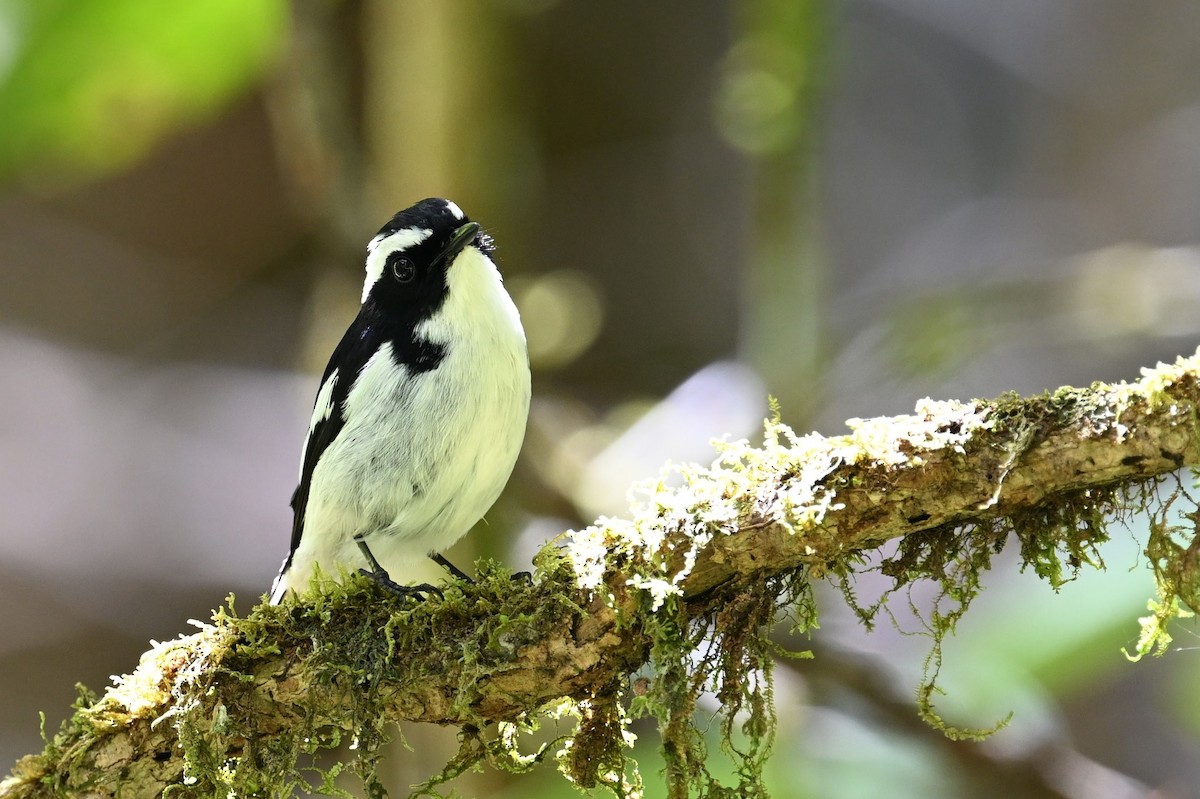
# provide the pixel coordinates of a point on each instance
(846, 205)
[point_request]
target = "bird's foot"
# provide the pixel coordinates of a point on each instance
(379, 575)
(384, 580)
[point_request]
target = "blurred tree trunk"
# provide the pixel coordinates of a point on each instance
(768, 109)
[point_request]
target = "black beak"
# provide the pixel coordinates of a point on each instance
(459, 242)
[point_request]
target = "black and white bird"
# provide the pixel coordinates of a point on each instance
(422, 408)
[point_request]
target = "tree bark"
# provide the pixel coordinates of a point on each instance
(495, 650)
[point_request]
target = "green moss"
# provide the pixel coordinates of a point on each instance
(722, 648)
(352, 642)
(1173, 551)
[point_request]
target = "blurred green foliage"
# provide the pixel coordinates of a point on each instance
(88, 86)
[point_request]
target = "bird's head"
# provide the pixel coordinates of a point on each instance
(409, 260)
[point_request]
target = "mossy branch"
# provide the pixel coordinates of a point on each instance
(704, 565)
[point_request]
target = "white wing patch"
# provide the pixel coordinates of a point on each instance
(322, 410)
(384, 245)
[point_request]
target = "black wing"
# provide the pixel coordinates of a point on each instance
(362, 340)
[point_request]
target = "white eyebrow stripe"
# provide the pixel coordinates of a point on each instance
(454, 209)
(402, 238)
(384, 245)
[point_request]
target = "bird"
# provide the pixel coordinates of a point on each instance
(421, 411)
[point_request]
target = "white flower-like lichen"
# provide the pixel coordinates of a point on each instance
(1156, 381)
(148, 688)
(893, 440)
(782, 482)
(1152, 389)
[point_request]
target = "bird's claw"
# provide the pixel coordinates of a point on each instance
(384, 581)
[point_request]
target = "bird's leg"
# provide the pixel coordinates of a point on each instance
(385, 581)
(523, 577)
(437, 558)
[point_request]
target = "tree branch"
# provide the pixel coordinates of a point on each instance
(244, 698)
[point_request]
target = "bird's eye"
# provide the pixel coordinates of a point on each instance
(403, 268)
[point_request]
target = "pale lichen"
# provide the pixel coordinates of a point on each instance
(898, 440)
(784, 481)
